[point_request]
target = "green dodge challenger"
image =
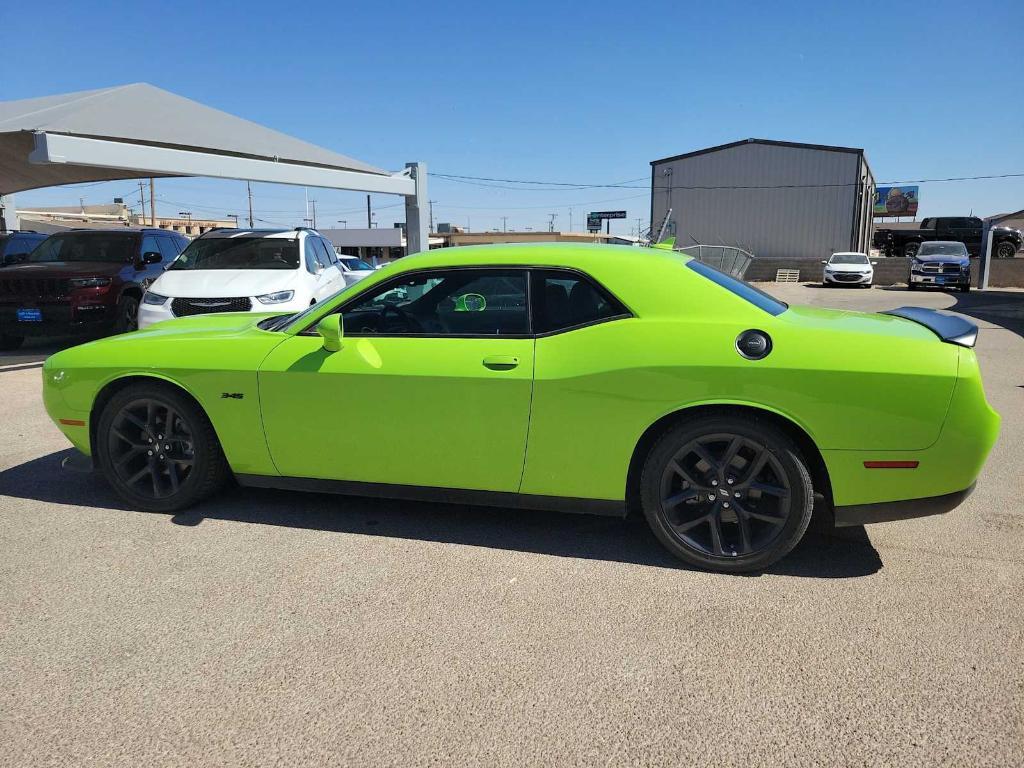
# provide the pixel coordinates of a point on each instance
(556, 376)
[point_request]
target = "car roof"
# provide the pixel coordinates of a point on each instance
(942, 242)
(586, 256)
(849, 253)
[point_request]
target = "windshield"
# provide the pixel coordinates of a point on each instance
(744, 290)
(356, 265)
(942, 249)
(86, 246)
(848, 258)
(239, 253)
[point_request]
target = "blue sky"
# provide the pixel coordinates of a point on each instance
(587, 93)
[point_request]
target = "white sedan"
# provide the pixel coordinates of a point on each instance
(232, 270)
(848, 268)
(354, 269)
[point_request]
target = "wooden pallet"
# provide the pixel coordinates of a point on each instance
(787, 276)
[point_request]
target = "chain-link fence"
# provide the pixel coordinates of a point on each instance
(727, 258)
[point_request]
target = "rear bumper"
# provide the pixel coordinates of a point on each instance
(887, 511)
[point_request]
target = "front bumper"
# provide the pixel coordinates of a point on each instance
(941, 281)
(57, 319)
(848, 278)
(156, 313)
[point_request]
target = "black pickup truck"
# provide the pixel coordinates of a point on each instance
(962, 229)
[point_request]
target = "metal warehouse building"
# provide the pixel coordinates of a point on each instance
(772, 198)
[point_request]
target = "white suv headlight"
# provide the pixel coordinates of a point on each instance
(154, 298)
(277, 297)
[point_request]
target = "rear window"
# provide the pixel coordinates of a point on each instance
(746, 291)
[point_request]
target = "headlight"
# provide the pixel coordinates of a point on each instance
(277, 297)
(154, 298)
(89, 282)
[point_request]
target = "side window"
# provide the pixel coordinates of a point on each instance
(563, 299)
(168, 249)
(332, 255)
(460, 302)
(149, 245)
(311, 259)
(19, 246)
(322, 257)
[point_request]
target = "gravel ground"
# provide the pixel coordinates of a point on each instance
(283, 629)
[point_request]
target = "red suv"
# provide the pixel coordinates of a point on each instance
(83, 282)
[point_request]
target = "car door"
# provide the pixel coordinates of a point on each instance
(337, 274)
(431, 387)
(326, 276)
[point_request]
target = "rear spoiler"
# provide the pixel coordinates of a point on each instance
(950, 328)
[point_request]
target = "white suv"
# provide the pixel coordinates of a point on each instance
(245, 270)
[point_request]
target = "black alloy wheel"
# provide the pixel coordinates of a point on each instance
(727, 494)
(1005, 250)
(127, 315)
(157, 448)
(910, 249)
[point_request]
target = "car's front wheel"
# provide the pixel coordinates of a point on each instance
(127, 315)
(1005, 250)
(158, 449)
(727, 493)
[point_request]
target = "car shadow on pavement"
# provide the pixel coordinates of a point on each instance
(844, 554)
(1002, 308)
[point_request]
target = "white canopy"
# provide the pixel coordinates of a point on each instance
(138, 130)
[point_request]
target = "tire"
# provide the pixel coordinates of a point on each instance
(965, 288)
(1005, 250)
(910, 249)
(911, 287)
(763, 519)
(127, 315)
(8, 343)
(134, 422)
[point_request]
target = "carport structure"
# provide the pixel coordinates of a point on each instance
(137, 131)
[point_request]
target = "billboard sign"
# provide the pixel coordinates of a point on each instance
(594, 218)
(895, 201)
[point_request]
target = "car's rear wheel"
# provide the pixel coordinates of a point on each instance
(727, 493)
(158, 449)
(1005, 250)
(8, 342)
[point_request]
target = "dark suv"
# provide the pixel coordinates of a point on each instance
(16, 246)
(83, 282)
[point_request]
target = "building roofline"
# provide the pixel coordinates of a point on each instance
(769, 142)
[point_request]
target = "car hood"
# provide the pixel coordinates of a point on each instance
(942, 258)
(848, 267)
(219, 283)
(64, 269)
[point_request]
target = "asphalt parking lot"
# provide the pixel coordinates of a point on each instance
(269, 628)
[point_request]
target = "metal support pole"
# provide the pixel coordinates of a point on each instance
(8, 213)
(986, 255)
(248, 187)
(369, 215)
(417, 232)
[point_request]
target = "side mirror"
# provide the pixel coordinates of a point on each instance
(151, 257)
(824, 262)
(330, 328)
(874, 262)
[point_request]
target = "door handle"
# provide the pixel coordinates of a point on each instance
(501, 362)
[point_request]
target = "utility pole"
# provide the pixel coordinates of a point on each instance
(504, 223)
(570, 219)
(432, 214)
(313, 203)
(152, 202)
(248, 186)
(551, 223)
(142, 206)
(235, 217)
(369, 216)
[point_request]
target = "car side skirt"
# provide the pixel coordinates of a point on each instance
(886, 511)
(603, 507)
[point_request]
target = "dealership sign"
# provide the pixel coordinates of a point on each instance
(594, 218)
(895, 201)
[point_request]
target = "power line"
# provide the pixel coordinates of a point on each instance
(485, 181)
